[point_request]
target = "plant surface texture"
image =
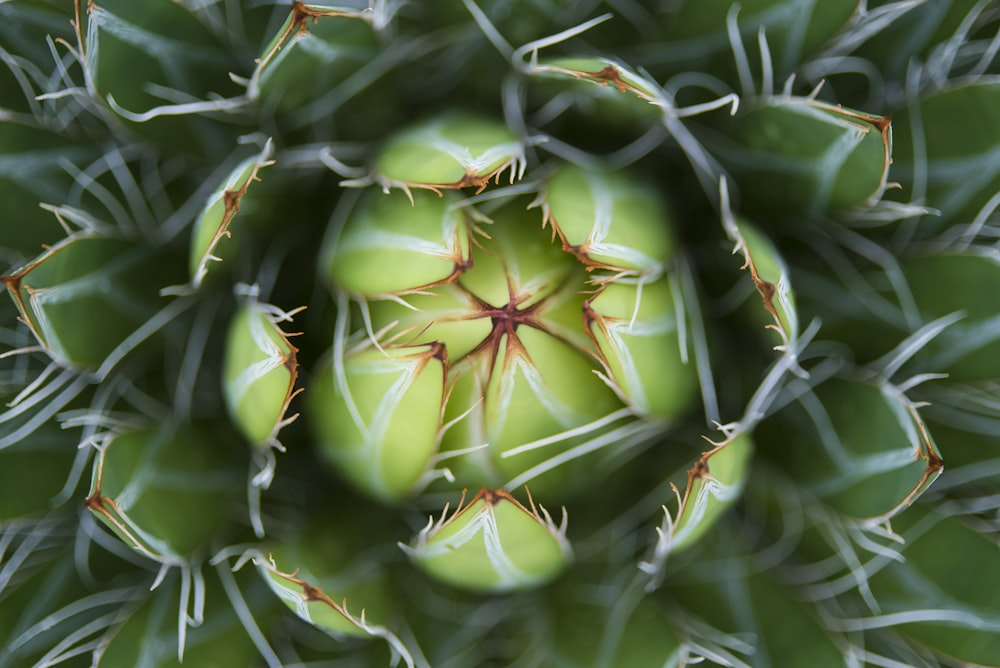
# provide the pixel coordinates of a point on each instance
(487, 333)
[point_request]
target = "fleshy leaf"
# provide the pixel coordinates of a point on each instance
(167, 48)
(939, 598)
(32, 170)
(315, 49)
(613, 629)
(862, 448)
(49, 582)
(216, 218)
(784, 627)
(617, 83)
(259, 372)
(537, 388)
(714, 484)
(378, 416)
(698, 30)
(454, 151)
(807, 155)
(965, 283)
(393, 245)
(328, 554)
(493, 544)
(947, 152)
(447, 314)
(770, 277)
(166, 492)
(83, 296)
(33, 473)
(152, 632)
(633, 325)
(608, 221)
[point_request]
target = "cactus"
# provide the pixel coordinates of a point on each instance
(491, 333)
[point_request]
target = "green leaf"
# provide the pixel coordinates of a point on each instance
(795, 154)
(794, 29)
(83, 296)
(394, 245)
(518, 266)
(451, 151)
(329, 567)
(33, 473)
(770, 277)
(538, 387)
(493, 544)
(607, 89)
(23, 28)
(636, 331)
(941, 597)
(167, 48)
(329, 570)
(714, 484)
(611, 628)
(860, 447)
(167, 492)
(50, 613)
(947, 150)
(378, 415)
(314, 50)
(609, 221)
(784, 628)
(445, 315)
(259, 372)
(32, 171)
(215, 221)
(150, 632)
(964, 283)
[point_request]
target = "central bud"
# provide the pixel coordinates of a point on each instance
(492, 348)
(505, 321)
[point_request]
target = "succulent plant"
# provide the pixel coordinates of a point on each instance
(621, 333)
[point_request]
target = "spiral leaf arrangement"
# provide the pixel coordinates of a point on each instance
(500, 333)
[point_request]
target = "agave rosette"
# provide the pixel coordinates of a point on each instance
(507, 342)
(483, 248)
